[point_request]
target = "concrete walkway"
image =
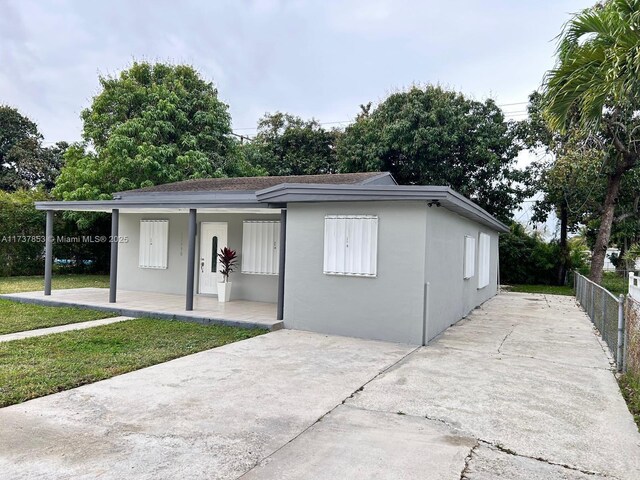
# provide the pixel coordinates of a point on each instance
(61, 328)
(520, 390)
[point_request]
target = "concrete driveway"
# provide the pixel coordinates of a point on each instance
(520, 390)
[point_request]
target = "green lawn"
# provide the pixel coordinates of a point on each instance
(612, 281)
(615, 283)
(18, 317)
(550, 289)
(39, 366)
(28, 284)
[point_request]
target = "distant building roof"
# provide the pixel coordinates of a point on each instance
(246, 184)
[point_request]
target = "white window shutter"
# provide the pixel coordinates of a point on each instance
(260, 247)
(154, 244)
(351, 245)
(469, 257)
(484, 264)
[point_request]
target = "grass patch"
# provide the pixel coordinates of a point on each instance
(630, 387)
(58, 282)
(19, 317)
(616, 284)
(549, 289)
(39, 366)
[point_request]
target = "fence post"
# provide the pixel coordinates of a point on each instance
(620, 350)
(592, 304)
(604, 315)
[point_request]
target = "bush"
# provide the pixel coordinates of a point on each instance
(22, 230)
(21, 233)
(527, 259)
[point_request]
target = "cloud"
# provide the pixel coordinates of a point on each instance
(319, 59)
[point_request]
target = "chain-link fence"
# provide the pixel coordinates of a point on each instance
(632, 336)
(606, 311)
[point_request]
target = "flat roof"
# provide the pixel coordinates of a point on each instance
(431, 194)
(243, 194)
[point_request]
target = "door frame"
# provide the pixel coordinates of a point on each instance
(198, 258)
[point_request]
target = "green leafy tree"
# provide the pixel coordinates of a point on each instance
(152, 124)
(288, 145)
(24, 162)
(596, 79)
(525, 258)
(434, 136)
(566, 172)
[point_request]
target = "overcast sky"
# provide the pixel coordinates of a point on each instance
(317, 59)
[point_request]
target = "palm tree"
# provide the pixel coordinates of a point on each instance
(596, 80)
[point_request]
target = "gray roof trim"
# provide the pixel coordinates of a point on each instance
(157, 202)
(385, 178)
(445, 196)
(275, 197)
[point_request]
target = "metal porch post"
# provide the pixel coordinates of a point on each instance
(191, 258)
(282, 259)
(113, 264)
(48, 253)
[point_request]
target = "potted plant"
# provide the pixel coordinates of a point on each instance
(228, 259)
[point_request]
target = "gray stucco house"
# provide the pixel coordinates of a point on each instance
(348, 254)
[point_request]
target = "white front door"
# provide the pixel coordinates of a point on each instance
(213, 237)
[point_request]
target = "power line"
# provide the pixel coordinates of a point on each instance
(336, 122)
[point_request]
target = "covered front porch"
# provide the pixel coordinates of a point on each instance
(206, 309)
(177, 280)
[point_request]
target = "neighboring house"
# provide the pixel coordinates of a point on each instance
(348, 254)
(615, 252)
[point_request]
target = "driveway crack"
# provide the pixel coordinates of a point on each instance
(513, 327)
(508, 451)
(467, 461)
(319, 419)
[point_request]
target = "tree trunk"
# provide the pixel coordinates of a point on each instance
(564, 250)
(604, 233)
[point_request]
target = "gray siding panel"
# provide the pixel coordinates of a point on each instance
(387, 307)
(451, 297)
(259, 288)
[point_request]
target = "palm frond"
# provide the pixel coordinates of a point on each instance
(598, 63)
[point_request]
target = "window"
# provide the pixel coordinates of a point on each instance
(469, 257)
(351, 245)
(154, 242)
(260, 247)
(484, 254)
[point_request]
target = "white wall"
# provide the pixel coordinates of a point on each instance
(259, 288)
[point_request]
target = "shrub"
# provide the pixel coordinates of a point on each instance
(21, 233)
(22, 230)
(526, 258)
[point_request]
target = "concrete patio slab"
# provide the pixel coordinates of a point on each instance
(354, 443)
(528, 376)
(488, 463)
(520, 390)
(212, 415)
(206, 309)
(61, 328)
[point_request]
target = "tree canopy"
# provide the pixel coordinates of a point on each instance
(24, 161)
(434, 136)
(596, 82)
(288, 145)
(151, 124)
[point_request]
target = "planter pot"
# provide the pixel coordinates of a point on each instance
(224, 291)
